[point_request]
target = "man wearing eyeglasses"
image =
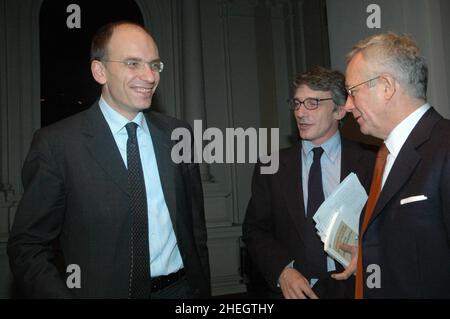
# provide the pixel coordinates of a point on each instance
(279, 230)
(404, 245)
(105, 212)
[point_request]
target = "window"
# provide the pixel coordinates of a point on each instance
(67, 86)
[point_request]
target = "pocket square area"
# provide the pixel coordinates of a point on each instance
(413, 199)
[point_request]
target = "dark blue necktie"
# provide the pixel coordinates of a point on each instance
(315, 188)
(317, 260)
(140, 261)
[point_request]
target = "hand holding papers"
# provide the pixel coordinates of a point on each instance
(337, 219)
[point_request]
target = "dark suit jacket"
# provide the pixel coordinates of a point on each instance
(276, 212)
(411, 242)
(76, 210)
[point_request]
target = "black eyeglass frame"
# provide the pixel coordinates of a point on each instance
(294, 104)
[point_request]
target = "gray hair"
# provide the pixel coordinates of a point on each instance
(399, 56)
(322, 79)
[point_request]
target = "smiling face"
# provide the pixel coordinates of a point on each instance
(126, 90)
(320, 124)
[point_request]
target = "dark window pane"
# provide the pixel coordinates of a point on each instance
(67, 86)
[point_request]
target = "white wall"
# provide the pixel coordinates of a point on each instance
(425, 20)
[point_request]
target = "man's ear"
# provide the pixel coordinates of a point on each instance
(389, 84)
(98, 71)
(340, 112)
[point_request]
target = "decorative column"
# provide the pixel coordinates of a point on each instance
(193, 77)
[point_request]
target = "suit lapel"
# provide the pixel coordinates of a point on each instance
(162, 145)
(291, 186)
(407, 160)
(291, 179)
(103, 148)
(403, 168)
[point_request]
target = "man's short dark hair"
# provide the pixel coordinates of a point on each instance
(321, 79)
(100, 41)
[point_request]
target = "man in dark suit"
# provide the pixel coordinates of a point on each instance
(278, 229)
(405, 238)
(79, 215)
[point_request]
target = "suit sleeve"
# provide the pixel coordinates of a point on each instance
(37, 225)
(258, 231)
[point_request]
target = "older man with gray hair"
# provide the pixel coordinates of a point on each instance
(404, 242)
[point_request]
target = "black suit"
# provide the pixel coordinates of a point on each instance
(76, 210)
(410, 242)
(275, 216)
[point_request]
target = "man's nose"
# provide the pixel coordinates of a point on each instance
(349, 106)
(148, 74)
(300, 110)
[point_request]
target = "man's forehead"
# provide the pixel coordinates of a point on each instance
(127, 32)
(355, 65)
(305, 88)
(132, 40)
(352, 73)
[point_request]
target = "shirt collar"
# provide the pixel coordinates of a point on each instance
(117, 121)
(330, 147)
(400, 133)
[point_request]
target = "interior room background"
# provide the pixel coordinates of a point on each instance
(229, 63)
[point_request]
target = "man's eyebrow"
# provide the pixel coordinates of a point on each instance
(133, 58)
(140, 59)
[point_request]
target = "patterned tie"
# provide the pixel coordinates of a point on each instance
(140, 269)
(375, 189)
(317, 258)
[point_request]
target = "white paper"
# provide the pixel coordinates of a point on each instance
(337, 219)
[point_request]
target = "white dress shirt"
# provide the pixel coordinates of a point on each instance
(398, 136)
(165, 257)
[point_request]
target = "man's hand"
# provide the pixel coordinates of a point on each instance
(295, 286)
(351, 268)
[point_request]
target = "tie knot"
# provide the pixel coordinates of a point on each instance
(383, 151)
(318, 151)
(131, 129)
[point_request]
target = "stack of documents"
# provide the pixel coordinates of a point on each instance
(337, 219)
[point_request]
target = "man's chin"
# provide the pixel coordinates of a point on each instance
(305, 137)
(144, 106)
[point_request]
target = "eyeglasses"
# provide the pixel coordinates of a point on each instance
(351, 90)
(155, 66)
(310, 103)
